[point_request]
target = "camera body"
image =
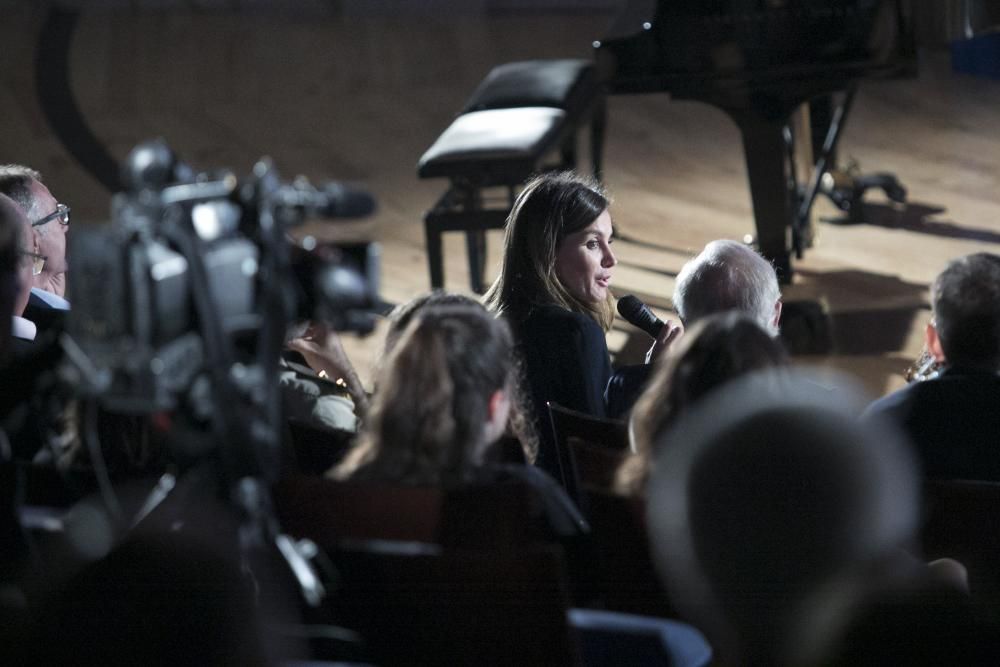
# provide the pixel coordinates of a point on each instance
(196, 275)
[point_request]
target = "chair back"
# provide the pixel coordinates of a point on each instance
(476, 516)
(625, 577)
(590, 449)
(421, 604)
(960, 522)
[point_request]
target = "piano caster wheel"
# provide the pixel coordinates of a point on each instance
(893, 189)
(847, 192)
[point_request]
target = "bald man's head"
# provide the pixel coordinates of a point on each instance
(728, 275)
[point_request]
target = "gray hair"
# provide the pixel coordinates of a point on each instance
(15, 182)
(727, 275)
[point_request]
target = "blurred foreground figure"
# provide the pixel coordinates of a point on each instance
(11, 269)
(771, 510)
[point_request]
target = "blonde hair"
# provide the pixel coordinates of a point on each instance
(548, 209)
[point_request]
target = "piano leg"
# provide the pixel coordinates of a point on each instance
(821, 113)
(773, 208)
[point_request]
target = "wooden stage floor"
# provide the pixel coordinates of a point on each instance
(359, 97)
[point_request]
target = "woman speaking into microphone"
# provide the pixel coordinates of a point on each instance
(553, 289)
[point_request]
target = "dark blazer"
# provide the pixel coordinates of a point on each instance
(625, 387)
(566, 361)
(953, 421)
(43, 315)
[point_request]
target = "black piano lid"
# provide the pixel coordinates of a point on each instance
(677, 45)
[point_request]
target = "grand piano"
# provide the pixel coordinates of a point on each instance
(759, 60)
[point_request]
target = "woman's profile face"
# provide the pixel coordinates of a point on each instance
(585, 262)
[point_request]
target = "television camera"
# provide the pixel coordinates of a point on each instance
(181, 307)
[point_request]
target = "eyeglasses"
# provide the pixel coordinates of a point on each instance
(61, 213)
(37, 261)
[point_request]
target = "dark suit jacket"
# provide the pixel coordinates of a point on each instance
(953, 421)
(625, 387)
(43, 315)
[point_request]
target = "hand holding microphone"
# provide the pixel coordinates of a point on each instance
(638, 314)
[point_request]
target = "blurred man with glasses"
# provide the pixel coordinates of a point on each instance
(18, 274)
(12, 222)
(49, 224)
(25, 360)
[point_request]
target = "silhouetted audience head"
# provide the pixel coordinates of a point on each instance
(966, 301)
(717, 349)
(768, 497)
(728, 275)
(443, 397)
(550, 208)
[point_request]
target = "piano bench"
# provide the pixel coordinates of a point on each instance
(516, 117)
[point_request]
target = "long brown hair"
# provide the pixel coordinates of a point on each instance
(427, 419)
(549, 208)
(717, 349)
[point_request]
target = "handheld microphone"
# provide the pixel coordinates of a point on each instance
(638, 314)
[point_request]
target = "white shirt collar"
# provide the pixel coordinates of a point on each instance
(23, 328)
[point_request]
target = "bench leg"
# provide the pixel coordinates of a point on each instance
(598, 121)
(567, 152)
(435, 261)
(475, 243)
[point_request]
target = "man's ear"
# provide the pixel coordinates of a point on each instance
(933, 342)
(777, 315)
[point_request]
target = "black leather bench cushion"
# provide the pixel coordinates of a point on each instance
(567, 84)
(497, 145)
